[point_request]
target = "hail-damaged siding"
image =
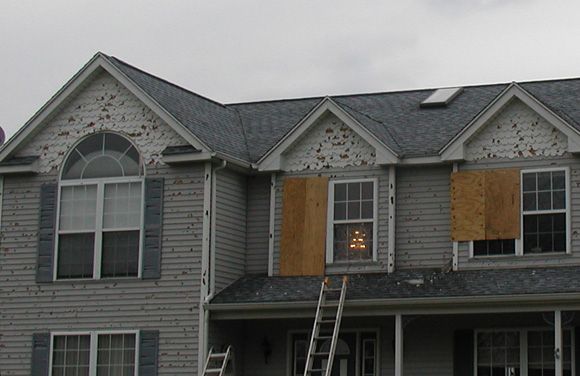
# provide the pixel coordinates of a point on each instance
(230, 227)
(169, 304)
(573, 163)
(347, 173)
(258, 219)
(423, 238)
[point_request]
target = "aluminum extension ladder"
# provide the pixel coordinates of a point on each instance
(328, 315)
(217, 363)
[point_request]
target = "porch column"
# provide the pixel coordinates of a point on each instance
(398, 345)
(558, 349)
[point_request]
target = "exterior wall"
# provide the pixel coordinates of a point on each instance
(329, 144)
(258, 224)
(230, 227)
(169, 304)
(382, 174)
(423, 222)
(104, 104)
(536, 259)
(517, 132)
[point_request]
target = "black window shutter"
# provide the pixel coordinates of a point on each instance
(40, 354)
(46, 232)
(153, 226)
(148, 351)
(463, 353)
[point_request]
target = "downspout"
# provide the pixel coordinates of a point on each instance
(211, 259)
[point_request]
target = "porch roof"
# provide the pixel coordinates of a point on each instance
(403, 284)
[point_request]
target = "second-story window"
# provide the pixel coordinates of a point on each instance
(100, 212)
(352, 221)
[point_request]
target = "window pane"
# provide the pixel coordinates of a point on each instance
(529, 180)
(494, 247)
(122, 207)
(76, 255)
(559, 180)
(340, 210)
(78, 207)
(357, 243)
(530, 201)
(116, 354)
(70, 355)
(354, 191)
(340, 192)
(367, 209)
(544, 181)
(545, 233)
(120, 254)
(544, 200)
(367, 190)
(353, 210)
(559, 199)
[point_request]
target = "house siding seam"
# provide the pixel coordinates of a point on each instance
(532, 260)
(258, 222)
(105, 104)
(328, 144)
(347, 173)
(230, 231)
(517, 132)
(423, 230)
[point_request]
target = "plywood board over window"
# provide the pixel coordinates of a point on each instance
(303, 226)
(485, 205)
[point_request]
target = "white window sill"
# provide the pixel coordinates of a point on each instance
(365, 266)
(527, 256)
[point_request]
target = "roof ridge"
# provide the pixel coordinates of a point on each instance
(377, 121)
(169, 82)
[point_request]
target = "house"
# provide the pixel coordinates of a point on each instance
(143, 224)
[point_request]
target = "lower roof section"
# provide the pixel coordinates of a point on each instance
(416, 291)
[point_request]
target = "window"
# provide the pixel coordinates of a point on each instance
(100, 210)
(544, 206)
(115, 354)
(544, 211)
(501, 351)
(352, 221)
(356, 353)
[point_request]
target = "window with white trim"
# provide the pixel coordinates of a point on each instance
(544, 217)
(100, 210)
(544, 211)
(500, 351)
(94, 353)
(352, 221)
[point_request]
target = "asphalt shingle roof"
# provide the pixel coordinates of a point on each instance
(403, 284)
(249, 130)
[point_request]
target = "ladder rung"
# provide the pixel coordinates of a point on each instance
(218, 355)
(321, 354)
(331, 305)
(213, 370)
(332, 290)
(317, 370)
(324, 337)
(326, 321)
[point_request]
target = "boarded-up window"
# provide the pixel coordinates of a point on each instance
(303, 238)
(485, 205)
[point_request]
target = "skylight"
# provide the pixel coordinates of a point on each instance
(442, 97)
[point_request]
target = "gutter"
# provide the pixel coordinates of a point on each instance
(382, 307)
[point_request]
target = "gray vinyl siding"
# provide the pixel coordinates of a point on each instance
(423, 238)
(354, 173)
(230, 236)
(258, 224)
(531, 260)
(169, 304)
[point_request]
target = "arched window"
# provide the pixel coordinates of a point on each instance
(101, 206)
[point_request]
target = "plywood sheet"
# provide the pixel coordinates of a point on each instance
(293, 212)
(468, 205)
(502, 204)
(314, 240)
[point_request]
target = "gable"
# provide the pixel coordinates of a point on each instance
(329, 143)
(103, 104)
(516, 131)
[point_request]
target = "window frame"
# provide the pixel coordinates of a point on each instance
(94, 341)
(359, 341)
(99, 216)
(519, 243)
(566, 211)
(523, 338)
(330, 222)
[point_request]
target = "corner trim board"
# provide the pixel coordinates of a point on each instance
(271, 224)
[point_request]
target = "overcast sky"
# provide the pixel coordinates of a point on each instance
(243, 50)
